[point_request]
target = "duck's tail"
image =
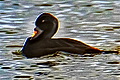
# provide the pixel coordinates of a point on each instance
(107, 52)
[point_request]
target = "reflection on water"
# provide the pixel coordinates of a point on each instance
(95, 22)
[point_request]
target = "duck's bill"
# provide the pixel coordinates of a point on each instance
(36, 33)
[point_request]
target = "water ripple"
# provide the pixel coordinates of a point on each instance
(94, 22)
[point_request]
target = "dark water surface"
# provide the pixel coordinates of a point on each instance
(95, 22)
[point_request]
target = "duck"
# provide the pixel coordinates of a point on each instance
(41, 42)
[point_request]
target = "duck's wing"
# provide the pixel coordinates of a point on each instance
(72, 45)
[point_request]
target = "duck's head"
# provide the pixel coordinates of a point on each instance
(46, 26)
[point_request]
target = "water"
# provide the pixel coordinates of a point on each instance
(94, 22)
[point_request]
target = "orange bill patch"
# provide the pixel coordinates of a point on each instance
(35, 32)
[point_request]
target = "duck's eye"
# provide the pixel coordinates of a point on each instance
(43, 20)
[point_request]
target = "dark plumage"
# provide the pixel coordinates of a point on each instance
(42, 43)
